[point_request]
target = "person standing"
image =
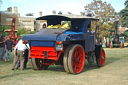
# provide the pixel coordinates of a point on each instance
(19, 54)
(2, 47)
(104, 42)
(26, 57)
(25, 61)
(8, 48)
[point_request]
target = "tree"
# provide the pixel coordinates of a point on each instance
(69, 13)
(53, 12)
(125, 35)
(60, 13)
(82, 13)
(105, 12)
(29, 14)
(124, 15)
(3, 28)
(99, 9)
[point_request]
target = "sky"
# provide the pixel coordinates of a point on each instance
(47, 6)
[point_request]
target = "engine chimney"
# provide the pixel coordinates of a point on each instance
(9, 9)
(15, 10)
(40, 13)
(116, 26)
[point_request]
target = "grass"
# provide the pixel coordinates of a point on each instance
(114, 72)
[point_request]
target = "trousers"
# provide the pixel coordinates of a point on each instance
(2, 51)
(25, 61)
(8, 54)
(19, 57)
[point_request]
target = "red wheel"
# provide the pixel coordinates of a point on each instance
(101, 60)
(120, 44)
(37, 64)
(76, 59)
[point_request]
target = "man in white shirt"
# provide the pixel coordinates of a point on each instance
(19, 54)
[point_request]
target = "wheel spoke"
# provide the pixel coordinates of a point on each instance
(75, 53)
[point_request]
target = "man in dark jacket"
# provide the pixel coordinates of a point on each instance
(8, 48)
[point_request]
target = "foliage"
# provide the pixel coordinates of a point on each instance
(124, 15)
(53, 12)
(60, 13)
(82, 13)
(104, 29)
(69, 13)
(125, 35)
(29, 14)
(3, 28)
(103, 11)
(22, 32)
(99, 9)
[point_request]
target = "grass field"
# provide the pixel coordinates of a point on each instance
(114, 72)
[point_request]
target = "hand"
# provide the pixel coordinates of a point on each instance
(4, 41)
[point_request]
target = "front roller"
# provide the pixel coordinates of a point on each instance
(74, 58)
(100, 55)
(37, 64)
(101, 60)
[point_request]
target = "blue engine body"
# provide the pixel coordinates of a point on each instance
(77, 34)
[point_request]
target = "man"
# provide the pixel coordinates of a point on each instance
(19, 54)
(2, 47)
(25, 61)
(104, 42)
(8, 48)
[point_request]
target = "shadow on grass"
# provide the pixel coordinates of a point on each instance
(56, 68)
(108, 61)
(87, 66)
(59, 68)
(111, 60)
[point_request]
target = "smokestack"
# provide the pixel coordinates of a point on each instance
(9, 9)
(15, 10)
(116, 26)
(40, 13)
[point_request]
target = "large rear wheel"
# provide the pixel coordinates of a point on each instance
(37, 64)
(75, 59)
